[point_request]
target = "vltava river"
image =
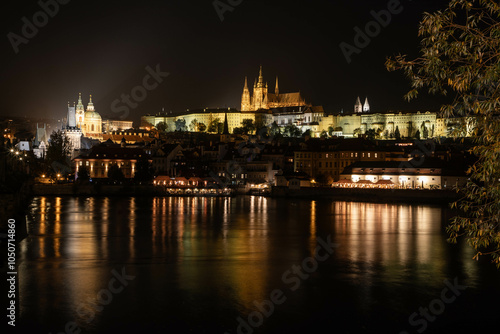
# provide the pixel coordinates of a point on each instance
(248, 265)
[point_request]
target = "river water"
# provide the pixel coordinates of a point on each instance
(248, 265)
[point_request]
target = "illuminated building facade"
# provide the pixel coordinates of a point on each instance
(101, 158)
(432, 174)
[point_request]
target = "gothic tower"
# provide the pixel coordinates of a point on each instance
(71, 117)
(358, 107)
(276, 89)
(245, 98)
(366, 106)
(260, 93)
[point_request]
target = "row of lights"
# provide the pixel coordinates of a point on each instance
(17, 153)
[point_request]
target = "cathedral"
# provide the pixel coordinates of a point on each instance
(82, 123)
(260, 98)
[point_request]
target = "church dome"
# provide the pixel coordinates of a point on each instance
(92, 115)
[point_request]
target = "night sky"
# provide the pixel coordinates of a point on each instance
(103, 48)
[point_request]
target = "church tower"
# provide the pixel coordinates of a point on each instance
(80, 112)
(260, 93)
(71, 117)
(71, 130)
(276, 89)
(245, 98)
(358, 107)
(366, 106)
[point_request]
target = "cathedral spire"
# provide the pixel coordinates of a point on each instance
(277, 90)
(358, 107)
(261, 78)
(366, 106)
(245, 97)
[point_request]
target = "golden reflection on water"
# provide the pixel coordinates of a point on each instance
(225, 244)
(312, 239)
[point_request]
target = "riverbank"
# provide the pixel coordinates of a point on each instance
(340, 194)
(118, 190)
(371, 195)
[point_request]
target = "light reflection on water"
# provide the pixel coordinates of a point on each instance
(201, 262)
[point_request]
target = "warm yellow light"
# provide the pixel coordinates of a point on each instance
(58, 175)
(43, 175)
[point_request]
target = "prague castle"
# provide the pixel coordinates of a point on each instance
(288, 109)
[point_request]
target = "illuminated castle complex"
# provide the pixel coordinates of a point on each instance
(291, 109)
(262, 99)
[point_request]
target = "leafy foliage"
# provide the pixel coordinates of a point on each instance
(143, 170)
(162, 127)
(291, 130)
(83, 174)
(460, 58)
(213, 126)
(248, 126)
(201, 127)
(194, 125)
(371, 134)
(115, 173)
(180, 125)
(274, 129)
(59, 148)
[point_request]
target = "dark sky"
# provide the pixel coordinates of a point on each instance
(103, 47)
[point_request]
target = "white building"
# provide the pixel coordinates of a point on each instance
(413, 174)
